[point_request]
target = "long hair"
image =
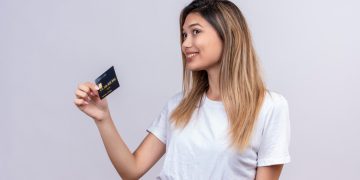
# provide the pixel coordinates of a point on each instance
(242, 88)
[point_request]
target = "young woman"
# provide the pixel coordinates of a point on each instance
(224, 124)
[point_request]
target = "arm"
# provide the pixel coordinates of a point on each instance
(130, 165)
(269, 172)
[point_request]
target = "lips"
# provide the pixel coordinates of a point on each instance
(191, 54)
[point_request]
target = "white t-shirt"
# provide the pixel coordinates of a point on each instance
(201, 150)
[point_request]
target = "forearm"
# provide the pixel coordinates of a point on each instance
(118, 152)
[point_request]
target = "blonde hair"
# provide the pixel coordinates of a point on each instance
(241, 86)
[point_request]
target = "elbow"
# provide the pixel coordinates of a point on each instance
(128, 172)
(129, 179)
(129, 176)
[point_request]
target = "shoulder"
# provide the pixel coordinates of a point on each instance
(275, 109)
(274, 101)
(174, 100)
(177, 96)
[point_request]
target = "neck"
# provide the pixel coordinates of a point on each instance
(213, 78)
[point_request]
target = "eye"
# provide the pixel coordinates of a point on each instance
(196, 30)
(184, 35)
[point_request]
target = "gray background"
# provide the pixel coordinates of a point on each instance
(309, 52)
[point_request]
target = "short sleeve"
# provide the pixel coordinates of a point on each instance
(274, 147)
(158, 127)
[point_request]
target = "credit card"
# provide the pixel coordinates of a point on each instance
(107, 82)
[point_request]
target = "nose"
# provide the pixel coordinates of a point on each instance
(187, 42)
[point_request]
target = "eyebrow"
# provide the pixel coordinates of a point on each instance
(194, 24)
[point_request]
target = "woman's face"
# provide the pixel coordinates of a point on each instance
(202, 45)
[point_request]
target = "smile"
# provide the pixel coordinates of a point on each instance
(191, 55)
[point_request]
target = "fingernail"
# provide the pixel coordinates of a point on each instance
(96, 87)
(85, 102)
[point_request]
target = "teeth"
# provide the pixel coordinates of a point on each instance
(191, 55)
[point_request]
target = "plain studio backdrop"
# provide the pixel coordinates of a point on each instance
(309, 52)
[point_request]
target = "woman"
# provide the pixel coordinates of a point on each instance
(224, 124)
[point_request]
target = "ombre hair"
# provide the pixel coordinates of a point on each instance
(241, 86)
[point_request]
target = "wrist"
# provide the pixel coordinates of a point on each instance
(105, 117)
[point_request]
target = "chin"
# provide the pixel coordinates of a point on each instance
(194, 68)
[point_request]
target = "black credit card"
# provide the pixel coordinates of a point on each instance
(107, 82)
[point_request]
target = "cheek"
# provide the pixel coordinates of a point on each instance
(210, 50)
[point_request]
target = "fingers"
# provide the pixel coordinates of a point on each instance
(84, 87)
(82, 95)
(93, 88)
(85, 92)
(80, 102)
